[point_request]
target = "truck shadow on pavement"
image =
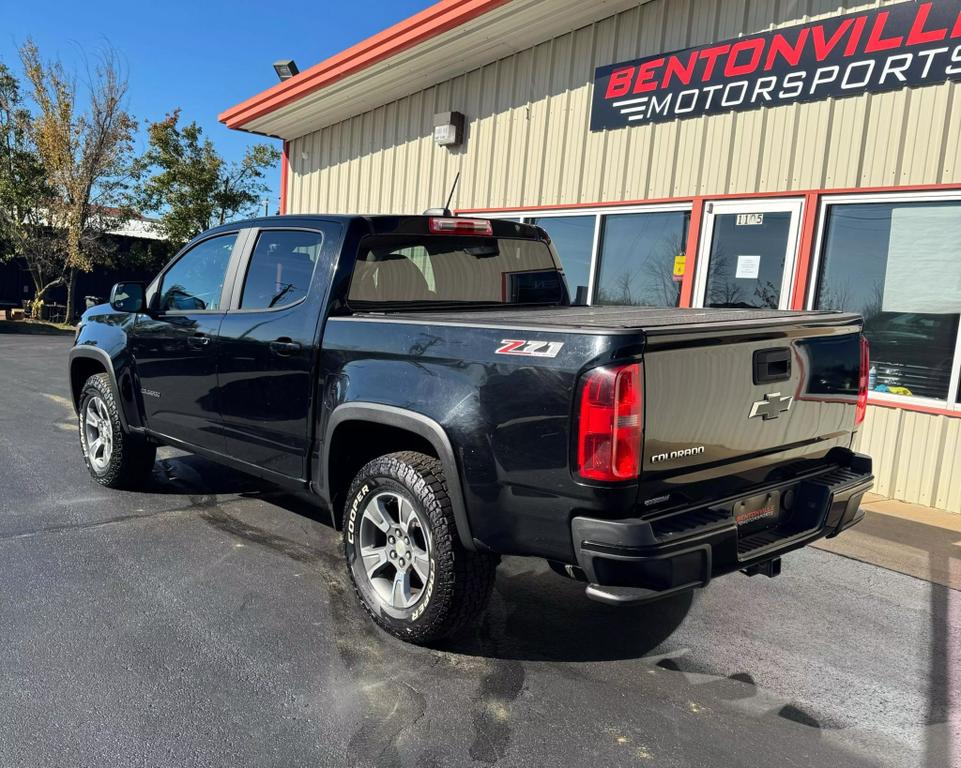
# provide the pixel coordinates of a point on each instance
(534, 614)
(190, 475)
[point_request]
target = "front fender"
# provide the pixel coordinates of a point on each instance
(101, 343)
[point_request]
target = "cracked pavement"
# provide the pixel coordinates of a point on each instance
(209, 622)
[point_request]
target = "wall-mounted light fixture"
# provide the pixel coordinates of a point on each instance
(285, 69)
(448, 129)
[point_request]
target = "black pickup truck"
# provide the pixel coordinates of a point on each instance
(428, 379)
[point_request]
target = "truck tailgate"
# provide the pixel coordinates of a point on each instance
(745, 391)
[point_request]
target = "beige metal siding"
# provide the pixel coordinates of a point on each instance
(917, 456)
(528, 141)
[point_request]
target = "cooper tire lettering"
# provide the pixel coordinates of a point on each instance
(351, 520)
(425, 600)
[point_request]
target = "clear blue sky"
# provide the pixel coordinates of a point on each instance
(202, 56)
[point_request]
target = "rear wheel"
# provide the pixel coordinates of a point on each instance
(114, 458)
(409, 569)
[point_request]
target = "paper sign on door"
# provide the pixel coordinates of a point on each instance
(748, 267)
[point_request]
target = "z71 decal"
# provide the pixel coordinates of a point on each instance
(530, 348)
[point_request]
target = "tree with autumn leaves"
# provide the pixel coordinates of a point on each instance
(84, 143)
(69, 174)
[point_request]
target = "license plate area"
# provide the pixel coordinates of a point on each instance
(759, 512)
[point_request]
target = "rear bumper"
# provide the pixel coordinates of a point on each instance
(636, 560)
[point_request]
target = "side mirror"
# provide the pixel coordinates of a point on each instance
(580, 298)
(129, 297)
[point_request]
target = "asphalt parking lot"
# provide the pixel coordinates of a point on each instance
(209, 622)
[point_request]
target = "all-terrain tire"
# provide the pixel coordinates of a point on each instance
(460, 581)
(131, 458)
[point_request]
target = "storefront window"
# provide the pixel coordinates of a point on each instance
(899, 265)
(639, 252)
(573, 237)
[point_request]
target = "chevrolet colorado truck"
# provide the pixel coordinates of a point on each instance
(429, 381)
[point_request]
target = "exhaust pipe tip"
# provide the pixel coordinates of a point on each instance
(572, 572)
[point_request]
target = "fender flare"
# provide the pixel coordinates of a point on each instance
(89, 352)
(420, 425)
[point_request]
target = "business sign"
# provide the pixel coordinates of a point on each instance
(908, 44)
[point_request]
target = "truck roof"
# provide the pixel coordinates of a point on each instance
(380, 224)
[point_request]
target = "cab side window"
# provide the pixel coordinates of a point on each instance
(281, 268)
(195, 282)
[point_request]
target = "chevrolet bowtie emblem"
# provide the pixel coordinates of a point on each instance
(772, 406)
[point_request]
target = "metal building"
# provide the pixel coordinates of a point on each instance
(800, 154)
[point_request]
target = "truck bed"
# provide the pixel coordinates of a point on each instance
(613, 319)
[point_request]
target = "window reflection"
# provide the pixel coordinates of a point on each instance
(573, 238)
(637, 258)
(195, 282)
(746, 265)
(898, 264)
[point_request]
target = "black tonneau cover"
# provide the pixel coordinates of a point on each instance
(625, 319)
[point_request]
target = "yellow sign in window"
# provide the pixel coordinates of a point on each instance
(679, 262)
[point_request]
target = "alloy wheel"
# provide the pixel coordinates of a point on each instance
(98, 433)
(395, 550)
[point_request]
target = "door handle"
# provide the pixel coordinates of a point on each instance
(284, 347)
(198, 340)
(772, 365)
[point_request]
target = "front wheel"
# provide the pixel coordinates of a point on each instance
(114, 458)
(409, 569)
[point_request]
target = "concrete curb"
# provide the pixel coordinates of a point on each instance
(906, 538)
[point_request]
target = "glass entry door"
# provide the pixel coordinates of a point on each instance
(747, 254)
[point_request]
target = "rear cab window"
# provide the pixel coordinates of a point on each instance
(425, 271)
(281, 268)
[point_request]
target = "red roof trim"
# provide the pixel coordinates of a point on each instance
(439, 18)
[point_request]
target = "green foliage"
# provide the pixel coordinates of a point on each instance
(23, 186)
(147, 255)
(190, 186)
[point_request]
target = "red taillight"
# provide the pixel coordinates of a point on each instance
(862, 407)
(458, 226)
(611, 424)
